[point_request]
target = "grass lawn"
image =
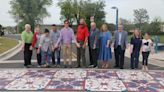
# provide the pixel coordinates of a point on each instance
(161, 38)
(6, 44)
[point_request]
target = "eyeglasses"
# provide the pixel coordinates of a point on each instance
(66, 23)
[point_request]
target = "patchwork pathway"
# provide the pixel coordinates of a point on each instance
(85, 80)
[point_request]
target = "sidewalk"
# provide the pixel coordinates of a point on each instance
(81, 80)
(154, 59)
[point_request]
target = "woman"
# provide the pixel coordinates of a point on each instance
(26, 43)
(147, 48)
(45, 46)
(105, 41)
(135, 46)
(35, 43)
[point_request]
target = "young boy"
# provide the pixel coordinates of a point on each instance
(45, 46)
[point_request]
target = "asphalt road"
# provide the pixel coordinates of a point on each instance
(19, 56)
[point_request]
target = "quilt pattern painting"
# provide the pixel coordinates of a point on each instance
(85, 80)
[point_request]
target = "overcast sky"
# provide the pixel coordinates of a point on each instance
(126, 7)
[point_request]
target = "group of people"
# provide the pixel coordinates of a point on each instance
(52, 43)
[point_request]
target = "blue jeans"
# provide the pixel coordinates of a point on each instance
(46, 57)
(134, 59)
(56, 53)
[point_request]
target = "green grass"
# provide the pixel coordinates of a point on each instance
(161, 38)
(6, 44)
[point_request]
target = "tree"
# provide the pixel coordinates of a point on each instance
(29, 11)
(156, 25)
(128, 25)
(73, 10)
(141, 17)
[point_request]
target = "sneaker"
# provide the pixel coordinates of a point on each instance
(39, 66)
(90, 66)
(146, 68)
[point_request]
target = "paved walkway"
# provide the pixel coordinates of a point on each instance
(154, 59)
(85, 80)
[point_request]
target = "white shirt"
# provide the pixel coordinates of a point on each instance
(146, 45)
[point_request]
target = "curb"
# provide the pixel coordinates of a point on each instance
(11, 52)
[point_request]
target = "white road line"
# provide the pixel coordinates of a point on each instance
(21, 61)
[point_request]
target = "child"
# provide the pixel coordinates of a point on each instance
(45, 46)
(147, 48)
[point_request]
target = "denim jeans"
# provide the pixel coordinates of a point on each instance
(46, 57)
(56, 54)
(134, 60)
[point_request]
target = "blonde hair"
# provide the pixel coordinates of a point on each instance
(27, 26)
(106, 28)
(137, 29)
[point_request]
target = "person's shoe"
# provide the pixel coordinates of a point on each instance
(78, 66)
(26, 67)
(116, 66)
(132, 68)
(58, 66)
(146, 68)
(65, 66)
(39, 66)
(143, 68)
(90, 66)
(121, 68)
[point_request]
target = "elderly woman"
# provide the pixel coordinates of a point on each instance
(26, 43)
(105, 53)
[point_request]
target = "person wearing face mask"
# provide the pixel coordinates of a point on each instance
(82, 38)
(26, 44)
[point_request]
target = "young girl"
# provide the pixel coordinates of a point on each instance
(35, 43)
(147, 48)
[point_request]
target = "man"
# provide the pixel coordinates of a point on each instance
(120, 44)
(93, 45)
(66, 38)
(82, 38)
(27, 36)
(54, 35)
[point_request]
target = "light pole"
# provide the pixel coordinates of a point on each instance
(116, 16)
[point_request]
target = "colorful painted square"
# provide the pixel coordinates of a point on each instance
(35, 83)
(133, 75)
(157, 75)
(143, 86)
(104, 85)
(101, 74)
(66, 85)
(70, 73)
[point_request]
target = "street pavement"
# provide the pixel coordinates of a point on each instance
(19, 56)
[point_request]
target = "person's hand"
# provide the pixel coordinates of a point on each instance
(84, 46)
(107, 46)
(22, 49)
(38, 51)
(56, 46)
(94, 46)
(78, 45)
(31, 48)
